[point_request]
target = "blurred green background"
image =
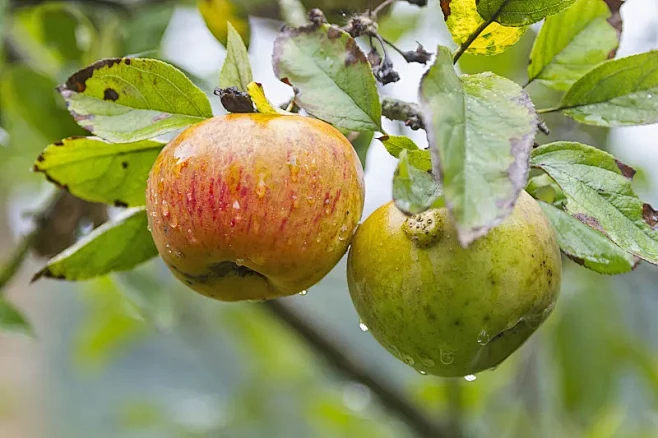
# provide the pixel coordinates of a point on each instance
(136, 355)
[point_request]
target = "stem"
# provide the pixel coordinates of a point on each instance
(349, 367)
(410, 113)
(548, 110)
(382, 5)
(15, 261)
(466, 44)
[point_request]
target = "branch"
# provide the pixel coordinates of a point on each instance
(389, 397)
(409, 113)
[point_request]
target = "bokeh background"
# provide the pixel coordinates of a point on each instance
(136, 355)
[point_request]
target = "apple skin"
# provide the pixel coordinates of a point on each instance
(447, 310)
(254, 206)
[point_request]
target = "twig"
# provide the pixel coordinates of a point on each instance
(409, 113)
(335, 356)
(466, 44)
(381, 6)
(548, 110)
(11, 266)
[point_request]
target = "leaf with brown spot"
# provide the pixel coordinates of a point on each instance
(586, 246)
(96, 170)
(599, 193)
(119, 245)
(120, 99)
(330, 75)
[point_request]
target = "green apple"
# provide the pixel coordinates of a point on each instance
(254, 206)
(448, 310)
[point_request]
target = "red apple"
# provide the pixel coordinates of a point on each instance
(254, 206)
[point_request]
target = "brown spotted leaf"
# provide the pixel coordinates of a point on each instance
(331, 76)
(587, 246)
(125, 100)
(119, 245)
(98, 171)
(481, 129)
(599, 193)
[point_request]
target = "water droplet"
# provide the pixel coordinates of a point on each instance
(295, 201)
(344, 233)
(154, 214)
(470, 378)
(168, 248)
(236, 205)
(191, 235)
(304, 292)
(422, 373)
(173, 221)
(165, 208)
(310, 199)
(363, 327)
(189, 197)
(178, 254)
(483, 337)
(447, 357)
(239, 262)
(294, 169)
(148, 227)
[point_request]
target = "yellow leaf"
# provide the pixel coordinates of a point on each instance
(463, 19)
(263, 105)
(217, 14)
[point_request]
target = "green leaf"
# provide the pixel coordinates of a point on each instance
(587, 246)
(118, 245)
(124, 100)
(480, 129)
(599, 193)
(621, 92)
(146, 27)
(30, 104)
(414, 191)
(219, 13)
(331, 76)
(12, 320)
(361, 144)
(98, 171)
(420, 159)
(236, 71)
(463, 19)
(571, 43)
(520, 12)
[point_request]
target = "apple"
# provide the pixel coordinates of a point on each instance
(447, 310)
(254, 206)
